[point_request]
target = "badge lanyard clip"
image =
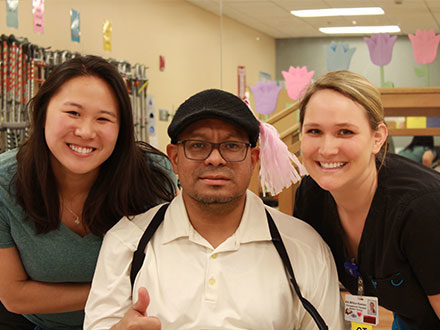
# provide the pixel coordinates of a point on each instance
(360, 310)
(352, 269)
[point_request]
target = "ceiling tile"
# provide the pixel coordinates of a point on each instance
(273, 16)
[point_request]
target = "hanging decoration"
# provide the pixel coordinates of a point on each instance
(75, 31)
(107, 35)
(241, 82)
(381, 46)
(338, 55)
(12, 13)
(265, 96)
(297, 79)
(38, 14)
(425, 44)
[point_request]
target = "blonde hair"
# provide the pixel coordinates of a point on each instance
(355, 87)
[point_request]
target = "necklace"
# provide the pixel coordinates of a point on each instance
(77, 218)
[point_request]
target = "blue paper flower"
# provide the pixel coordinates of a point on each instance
(338, 55)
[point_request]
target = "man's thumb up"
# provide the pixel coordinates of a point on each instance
(136, 317)
(142, 302)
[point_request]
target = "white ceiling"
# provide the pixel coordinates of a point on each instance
(273, 16)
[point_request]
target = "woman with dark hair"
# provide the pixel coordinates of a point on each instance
(77, 174)
(421, 149)
(377, 211)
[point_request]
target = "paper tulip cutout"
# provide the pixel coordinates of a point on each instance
(265, 96)
(297, 79)
(338, 56)
(425, 44)
(381, 46)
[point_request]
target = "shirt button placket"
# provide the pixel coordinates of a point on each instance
(211, 291)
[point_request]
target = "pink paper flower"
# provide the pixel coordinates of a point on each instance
(380, 46)
(425, 44)
(265, 96)
(297, 80)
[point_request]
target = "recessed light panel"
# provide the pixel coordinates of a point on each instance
(338, 12)
(360, 29)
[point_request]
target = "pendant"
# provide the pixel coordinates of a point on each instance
(77, 220)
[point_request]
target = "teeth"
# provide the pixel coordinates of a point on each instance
(331, 165)
(80, 149)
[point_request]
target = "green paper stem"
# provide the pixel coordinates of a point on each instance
(427, 82)
(382, 77)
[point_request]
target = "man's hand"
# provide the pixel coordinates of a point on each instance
(136, 317)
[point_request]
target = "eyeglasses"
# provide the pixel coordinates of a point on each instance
(231, 151)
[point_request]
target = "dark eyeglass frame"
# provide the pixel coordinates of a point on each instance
(218, 147)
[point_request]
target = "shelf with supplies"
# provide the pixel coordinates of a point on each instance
(412, 102)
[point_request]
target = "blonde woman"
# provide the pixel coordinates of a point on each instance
(378, 212)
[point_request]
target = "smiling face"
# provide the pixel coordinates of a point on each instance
(82, 125)
(213, 180)
(338, 145)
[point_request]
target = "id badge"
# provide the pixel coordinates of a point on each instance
(361, 309)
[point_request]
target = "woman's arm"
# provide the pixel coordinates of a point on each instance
(21, 295)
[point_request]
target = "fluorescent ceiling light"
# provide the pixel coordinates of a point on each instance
(360, 29)
(338, 12)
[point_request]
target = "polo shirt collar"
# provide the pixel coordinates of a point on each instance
(253, 226)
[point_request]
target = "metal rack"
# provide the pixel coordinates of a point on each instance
(25, 66)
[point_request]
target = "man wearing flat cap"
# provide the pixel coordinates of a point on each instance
(216, 257)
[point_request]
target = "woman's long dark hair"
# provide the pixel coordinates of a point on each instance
(128, 182)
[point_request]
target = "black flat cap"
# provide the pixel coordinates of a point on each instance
(216, 104)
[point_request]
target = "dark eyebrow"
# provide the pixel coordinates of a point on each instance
(81, 107)
(109, 113)
(74, 104)
(235, 136)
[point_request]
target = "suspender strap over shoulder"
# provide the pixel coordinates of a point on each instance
(139, 254)
(279, 245)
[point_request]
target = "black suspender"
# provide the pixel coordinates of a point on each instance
(279, 245)
(139, 256)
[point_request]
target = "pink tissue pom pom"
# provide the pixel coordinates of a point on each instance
(276, 169)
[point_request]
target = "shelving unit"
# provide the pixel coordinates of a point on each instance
(421, 101)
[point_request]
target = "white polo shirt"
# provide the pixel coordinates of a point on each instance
(241, 284)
